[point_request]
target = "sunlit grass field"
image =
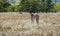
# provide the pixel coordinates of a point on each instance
(15, 24)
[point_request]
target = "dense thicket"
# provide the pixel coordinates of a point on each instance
(36, 5)
(3, 5)
(28, 6)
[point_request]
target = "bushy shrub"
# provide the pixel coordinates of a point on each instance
(13, 8)
(57, 7)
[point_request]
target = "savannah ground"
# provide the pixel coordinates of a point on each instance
(15, 24)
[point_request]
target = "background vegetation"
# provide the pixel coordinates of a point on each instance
(57, 7)
(29, 6)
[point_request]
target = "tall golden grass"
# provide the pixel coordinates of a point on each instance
(15, 24)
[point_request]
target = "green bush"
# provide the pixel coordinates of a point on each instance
(57, 7)
(13, 8)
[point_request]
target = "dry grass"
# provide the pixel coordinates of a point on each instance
(15, 24)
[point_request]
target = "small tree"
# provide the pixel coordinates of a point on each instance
(49, 5)
(30, 6)
(46, 5)
(36, 5)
